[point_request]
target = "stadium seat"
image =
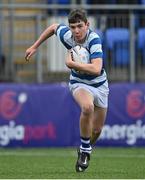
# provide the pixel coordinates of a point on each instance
(58, 2)
(141, 38)
(142, 1)
(62, 12)
(141, 42)
(101, 2)
(117, 42)
(64, 1)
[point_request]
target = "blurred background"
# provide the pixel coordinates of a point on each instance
(35, 103)
(120, 26)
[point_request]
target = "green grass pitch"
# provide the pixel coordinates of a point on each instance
(58, 163)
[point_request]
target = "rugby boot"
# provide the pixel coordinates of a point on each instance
(82, 161)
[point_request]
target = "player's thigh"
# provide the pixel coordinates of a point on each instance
(83, 97)
(99, 118)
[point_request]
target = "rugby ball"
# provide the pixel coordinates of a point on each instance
(80, 54)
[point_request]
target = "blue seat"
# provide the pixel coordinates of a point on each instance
(62, 12)
(117, 42)
(58, 1)
(142, 1)
(63, 1)
(101, 2)
(141, 42)
(141, 38)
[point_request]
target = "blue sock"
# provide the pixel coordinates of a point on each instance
(85, 145)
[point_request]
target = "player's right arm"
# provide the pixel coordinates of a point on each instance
(45, 35)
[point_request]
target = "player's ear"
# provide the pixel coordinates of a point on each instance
(88, 24)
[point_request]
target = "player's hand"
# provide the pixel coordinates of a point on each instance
(69, 61)
(29, 52)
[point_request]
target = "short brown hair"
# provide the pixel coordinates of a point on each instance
(77, 15)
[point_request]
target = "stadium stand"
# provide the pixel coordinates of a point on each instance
(24, 34)
(21, 30)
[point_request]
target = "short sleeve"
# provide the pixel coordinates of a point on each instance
(63, 33)
(95, 46)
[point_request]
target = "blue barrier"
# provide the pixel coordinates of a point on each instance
(47, 116)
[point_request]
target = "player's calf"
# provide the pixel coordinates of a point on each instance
(94, 137)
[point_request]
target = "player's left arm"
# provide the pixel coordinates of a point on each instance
(93, 68)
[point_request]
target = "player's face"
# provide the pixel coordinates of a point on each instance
(79, 30)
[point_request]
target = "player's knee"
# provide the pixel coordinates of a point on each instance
(87, 109)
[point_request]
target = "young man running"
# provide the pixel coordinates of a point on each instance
(88, 82)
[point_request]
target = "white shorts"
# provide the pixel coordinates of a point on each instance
(100, 93)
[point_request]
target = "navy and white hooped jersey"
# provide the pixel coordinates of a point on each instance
(93, 45)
